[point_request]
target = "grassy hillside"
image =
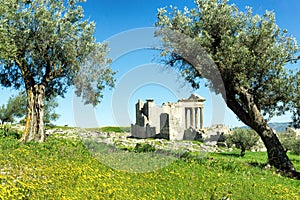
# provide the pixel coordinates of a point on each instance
(63, 169)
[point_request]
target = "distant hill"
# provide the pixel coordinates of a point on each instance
(277, 126)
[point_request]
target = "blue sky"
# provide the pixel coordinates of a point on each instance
(117, 108)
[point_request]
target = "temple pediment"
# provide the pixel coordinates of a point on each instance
(193, 98)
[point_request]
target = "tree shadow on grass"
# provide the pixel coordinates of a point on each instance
(236, 155)
(259, 165)
(262, 165)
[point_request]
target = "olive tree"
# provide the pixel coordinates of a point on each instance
(243, 139)
(243, 57)
(45, 47)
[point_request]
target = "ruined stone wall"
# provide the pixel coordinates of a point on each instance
(143, 132)
(176, 121)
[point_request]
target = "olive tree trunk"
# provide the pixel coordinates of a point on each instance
(251, 116)
(276, 153)
(34, 127)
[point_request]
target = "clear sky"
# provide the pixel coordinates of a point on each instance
(126, 25)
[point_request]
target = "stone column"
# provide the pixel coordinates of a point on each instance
(192, 117)
(186, 118)
(196, 118)
(201, 118)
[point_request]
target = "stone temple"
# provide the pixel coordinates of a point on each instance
(173, 121)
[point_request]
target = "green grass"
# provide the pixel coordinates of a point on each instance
(254, 158)
(108, 129)
(63, 128)
(64, 169)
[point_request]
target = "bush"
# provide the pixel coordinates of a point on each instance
(243, 139)
(139, 148)
(6, 131)
(98, 147)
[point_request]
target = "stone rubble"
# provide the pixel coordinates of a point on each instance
(123, 140)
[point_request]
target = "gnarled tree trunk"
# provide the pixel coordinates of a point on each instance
(276, 153)
(34, 127)
(251, 116)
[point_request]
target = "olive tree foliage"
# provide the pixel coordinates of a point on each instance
(15, 108)
(50, 114)
(295, 103)
(45, 47)
(243, 139)
(243, 57)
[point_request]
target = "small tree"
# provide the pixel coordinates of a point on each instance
(243, 139)
(290, 141)
(45, 47)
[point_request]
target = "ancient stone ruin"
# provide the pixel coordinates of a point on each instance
(173, 121)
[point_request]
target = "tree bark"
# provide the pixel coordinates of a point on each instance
(34, 127)
(277, 156)
(243, 150)
(251, 116)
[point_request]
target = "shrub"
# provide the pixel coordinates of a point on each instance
(139, 148)
(186, 155)
(98, 147)
(6, 131)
